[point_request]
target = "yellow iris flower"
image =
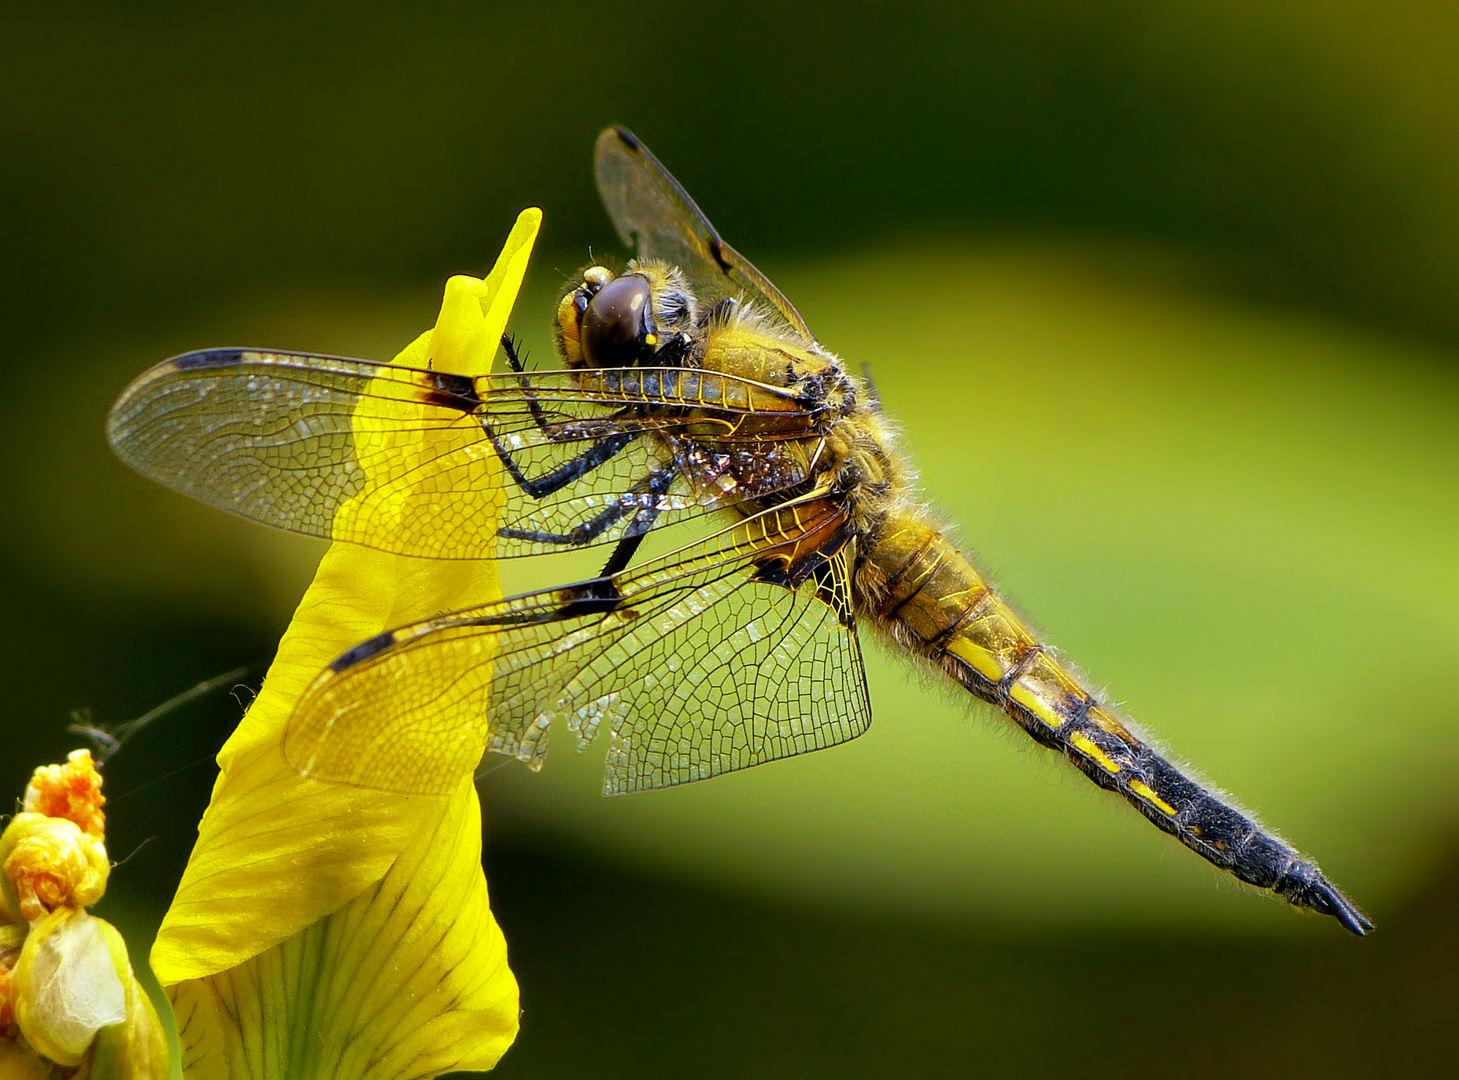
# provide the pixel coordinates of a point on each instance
(324, 930)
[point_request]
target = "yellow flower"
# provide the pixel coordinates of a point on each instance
(68, 996)
(324, 930)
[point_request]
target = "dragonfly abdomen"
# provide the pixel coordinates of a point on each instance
(930, 598)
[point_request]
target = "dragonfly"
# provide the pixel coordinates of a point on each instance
(690, 390)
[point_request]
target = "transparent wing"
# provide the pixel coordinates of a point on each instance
(718, 658)
(656, 217)
(423, 463)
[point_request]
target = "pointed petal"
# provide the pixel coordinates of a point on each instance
(276, 852)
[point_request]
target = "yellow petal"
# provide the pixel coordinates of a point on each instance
(505, 279)
(331, 930)
(276, 851)
(65, 987)
(136, 1049)
(409, 979)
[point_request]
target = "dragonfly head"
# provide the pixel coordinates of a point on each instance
(619, 320)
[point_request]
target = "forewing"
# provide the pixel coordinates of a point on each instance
(704, 667)
(656, 217)
(414, 462)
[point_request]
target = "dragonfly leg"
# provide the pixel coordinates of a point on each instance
(514, 361)
(585, 533)
(555, 432)
(656, 483)
(566, 473)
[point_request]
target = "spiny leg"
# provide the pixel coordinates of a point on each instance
(656, 483)
(569, 471)
(514, 361)
(600, 595)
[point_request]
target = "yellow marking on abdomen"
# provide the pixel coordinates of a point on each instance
(935, 593)
(1048, 691)
(936, 603)
(1031, 701)
(1142, 789)
(993, 643)
(1085, 744)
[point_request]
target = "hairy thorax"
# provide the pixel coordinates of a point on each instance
(854, 454)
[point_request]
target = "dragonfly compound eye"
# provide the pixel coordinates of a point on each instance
(618, 327)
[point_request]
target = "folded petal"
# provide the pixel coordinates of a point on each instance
(48, 862)
(333, 930)
(276, 851)
(65, 987)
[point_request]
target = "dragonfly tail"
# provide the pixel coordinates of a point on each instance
(1199, 818)
(928, 597)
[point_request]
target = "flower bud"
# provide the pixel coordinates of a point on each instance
(49, 863)
(65, 987)
(136, 1049)
(68, 995)
(71, 791)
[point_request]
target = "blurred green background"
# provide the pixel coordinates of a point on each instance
(1164, 299)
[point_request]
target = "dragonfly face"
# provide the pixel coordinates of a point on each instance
(646, 316)
(690, 388)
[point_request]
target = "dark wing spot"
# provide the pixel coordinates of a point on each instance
(452, 392)
(207, 358)
(363, 651)
(772, 572)
(716, 248)
(596, 597)
(838, 600)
